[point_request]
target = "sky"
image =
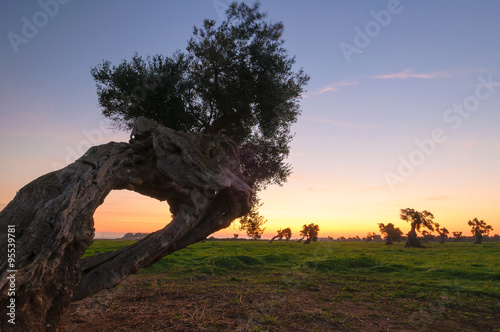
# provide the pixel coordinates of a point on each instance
(402, 109)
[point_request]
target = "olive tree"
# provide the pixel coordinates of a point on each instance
(418, 221)
(391, 233)
(479, 228)
(234, 78)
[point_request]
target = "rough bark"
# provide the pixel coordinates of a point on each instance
(198, 175)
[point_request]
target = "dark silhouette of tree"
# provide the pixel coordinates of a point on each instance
(287, 233)
(252, 222)
(370, 237)
(427, 236)
(443, 233)
(235, 236)
(310, 232)
(279, 236)
(417, 220)
(479, 228)
(235, 78)
(458, 236)
(391, 233)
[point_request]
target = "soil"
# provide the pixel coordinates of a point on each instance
(222, 303)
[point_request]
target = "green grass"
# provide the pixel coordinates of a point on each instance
(462, 267)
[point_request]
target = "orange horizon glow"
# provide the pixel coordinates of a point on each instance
(128, 212)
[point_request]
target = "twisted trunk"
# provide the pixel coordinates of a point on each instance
(52, 217)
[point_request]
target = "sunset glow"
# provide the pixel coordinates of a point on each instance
(407, 117)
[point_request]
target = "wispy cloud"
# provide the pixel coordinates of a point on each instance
(334, 87)
(342, 124)
(407, 73)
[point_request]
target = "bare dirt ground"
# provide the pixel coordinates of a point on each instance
(221, 303)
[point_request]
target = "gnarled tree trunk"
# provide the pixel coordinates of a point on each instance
(413, 241)
(52, 217)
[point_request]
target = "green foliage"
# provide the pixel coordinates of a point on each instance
(235, 78)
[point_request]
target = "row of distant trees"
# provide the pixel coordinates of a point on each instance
(422, 223)
(423, 230)
(309, 232)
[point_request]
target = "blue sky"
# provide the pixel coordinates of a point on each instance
(361, 115)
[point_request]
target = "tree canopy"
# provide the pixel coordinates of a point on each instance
(479, 227)
(234, 78)
(287, 233)
(391, 233)
(310, 232)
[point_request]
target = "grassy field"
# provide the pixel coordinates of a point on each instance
(287, 286)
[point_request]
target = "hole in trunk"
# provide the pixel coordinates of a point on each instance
(126, 212)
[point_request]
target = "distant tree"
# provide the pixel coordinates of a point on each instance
(443, 233)
(458, 236)
(287, 233)
(310, 232)
(479, 228)
(342, 238)
(369, 237)
(235, 236)
(427, 236)
(279, 236)
(235, 78)
(252, 222)
(417, 220)
(391, 233)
